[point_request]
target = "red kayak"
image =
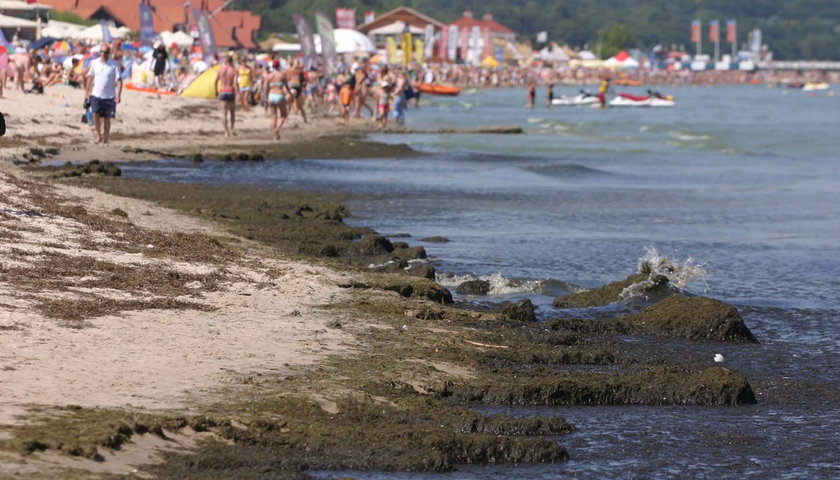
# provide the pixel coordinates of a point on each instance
(438, 89)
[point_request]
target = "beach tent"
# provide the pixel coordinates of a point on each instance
(622, 60)
(178, 38)
(587, 55)
(59, 29)
(284, 47)
(94, 32)
(554, 54)
(204, 85)
(348, 41)
(490, 62)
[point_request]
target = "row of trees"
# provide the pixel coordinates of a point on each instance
(794, 29)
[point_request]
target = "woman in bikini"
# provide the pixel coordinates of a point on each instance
(275, 89)
(296, 80)
(245, 75)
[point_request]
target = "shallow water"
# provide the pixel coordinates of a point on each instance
(743, 181)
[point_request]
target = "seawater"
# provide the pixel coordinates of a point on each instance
(739, 186)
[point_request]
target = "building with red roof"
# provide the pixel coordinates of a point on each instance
(232, 28)
(497, 30)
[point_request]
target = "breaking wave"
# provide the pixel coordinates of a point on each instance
(501, 285)
(678, 272)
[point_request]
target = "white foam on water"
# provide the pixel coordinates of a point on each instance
(688, 137)
(679, 272)
(380, 265)
(499, 284)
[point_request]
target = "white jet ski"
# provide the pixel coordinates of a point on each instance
(652, 99)
(581, 99)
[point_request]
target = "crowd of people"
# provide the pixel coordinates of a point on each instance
(282, 86)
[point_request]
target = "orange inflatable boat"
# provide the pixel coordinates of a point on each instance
(438, 89)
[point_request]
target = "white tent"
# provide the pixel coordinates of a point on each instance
(553, 53)
(621, 60)
(61, 29)
(587, 55)
(94, 32)
(348, 41)
(15, 22)
(285, 47)
(181, 39)
(396, 28)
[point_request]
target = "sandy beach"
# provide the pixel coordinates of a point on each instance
(162, 331)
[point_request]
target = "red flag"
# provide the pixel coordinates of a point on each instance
(714, 31)
(695, 31)
(730, 31)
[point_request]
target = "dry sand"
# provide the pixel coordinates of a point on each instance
(266, 319)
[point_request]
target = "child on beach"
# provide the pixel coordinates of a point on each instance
(346, 97)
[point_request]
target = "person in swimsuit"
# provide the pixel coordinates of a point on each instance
(277, 92)
(361, 91)
(602, 91)
(245, 84)
(226, 88)
(532, 92)
(346, 97)
(383, 96)
(296, 80)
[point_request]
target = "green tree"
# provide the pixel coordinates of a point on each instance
(614, 40)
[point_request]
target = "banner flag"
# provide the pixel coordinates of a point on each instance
(731, 31)
(106, 32)
(465, 44)
(205, 34)
(325, 30)
(488, 45)
(695, 31)
(147, 25)
(714, 31)
(370, 16)
(391, 50)
(542, 37)
(429, 42)
(476, 45)
(499, 54)
(345, 18)
(406, 48)
(756, 42)
(306, 39)
(443, 46)
(419, 50)
(454, 40)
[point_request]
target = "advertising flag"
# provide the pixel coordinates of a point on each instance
(147, 25)
(443, 52)
(465, 44)
(419, 50)
(307, 40)
(429, 42)
(345, 18)
(731, 31)
(370, 15)
(476, 45)
(205, 34)
(756, 41)
(488, 45)
(106, 32)
(406, 48)
(542, 37)
(695, 31)
(325, 30)
(714, 31)
(452, 45)
(391, 50)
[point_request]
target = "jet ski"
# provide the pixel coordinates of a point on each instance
(652, 99)
(581, 99)
(813, 86)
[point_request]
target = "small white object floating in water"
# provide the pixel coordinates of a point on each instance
(718, 358)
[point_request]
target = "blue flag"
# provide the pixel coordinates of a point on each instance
(147, 25)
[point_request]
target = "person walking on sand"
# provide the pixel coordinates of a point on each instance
(246, 83)
(103, 92)
(276, 91)
(297, 82)
(383, 96)
(226, 88)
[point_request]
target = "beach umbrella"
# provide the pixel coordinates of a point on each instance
(3, 49)
(63, 45)
(41, 43)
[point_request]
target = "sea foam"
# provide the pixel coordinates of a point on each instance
(678, 272)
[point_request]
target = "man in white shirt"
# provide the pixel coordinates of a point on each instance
(103, 93)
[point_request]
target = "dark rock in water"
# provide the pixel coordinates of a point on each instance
(410, 253)
(521, 311)
(474, 287)
(197, 157)
(413, 287)
(399, 235)
(650, 284)
(422, 270)
(243, 157)
(372, 245)
(695, 318)
(655, 386)
(258, 157)
(435, 239)
(227, 158)
(398, 245)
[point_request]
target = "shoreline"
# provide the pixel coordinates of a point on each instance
(254, 275)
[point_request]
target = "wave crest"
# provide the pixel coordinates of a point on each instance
(678, 272)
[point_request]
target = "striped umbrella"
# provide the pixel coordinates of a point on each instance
(64, 46)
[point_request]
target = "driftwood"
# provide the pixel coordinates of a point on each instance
(486, 345)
